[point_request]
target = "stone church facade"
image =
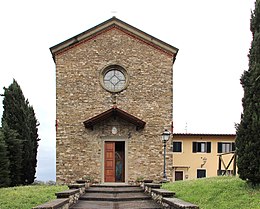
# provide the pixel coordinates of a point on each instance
(113, 99)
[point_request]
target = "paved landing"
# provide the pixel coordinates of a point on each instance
(141, 204)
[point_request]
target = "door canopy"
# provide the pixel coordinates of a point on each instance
(114, 112)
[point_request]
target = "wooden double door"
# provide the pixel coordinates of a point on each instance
(114, 153)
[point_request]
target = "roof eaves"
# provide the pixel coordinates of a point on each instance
(114, 111)
(106, 24)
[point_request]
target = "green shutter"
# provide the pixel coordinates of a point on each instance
(194, 146)
(180, 146)
(233, 147)
(208, 147)
(219, 147)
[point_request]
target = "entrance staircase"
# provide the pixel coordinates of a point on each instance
(115, 196)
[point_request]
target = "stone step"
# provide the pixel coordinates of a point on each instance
(114, 189)
(163, 192)
(153, 185)
(76, 186)
(136, 204)
(114, 185)
(114, 196)
(81, 181)
(111, 196)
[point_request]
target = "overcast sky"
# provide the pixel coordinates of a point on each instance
(213, 38)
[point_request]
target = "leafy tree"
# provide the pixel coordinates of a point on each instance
(4, 163)
(14, 148)
(248, 131)
(19, 116)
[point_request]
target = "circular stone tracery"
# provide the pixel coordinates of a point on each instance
(114, 78)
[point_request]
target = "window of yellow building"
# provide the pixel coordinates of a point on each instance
(201, 147)
(226, 147)
(177, 146)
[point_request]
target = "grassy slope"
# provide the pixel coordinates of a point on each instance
(26, 197)
(217, 193)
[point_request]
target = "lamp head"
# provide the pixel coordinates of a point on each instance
(166, 135)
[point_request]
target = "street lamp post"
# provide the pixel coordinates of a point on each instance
(165, 137)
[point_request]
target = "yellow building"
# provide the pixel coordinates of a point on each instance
(202, 155)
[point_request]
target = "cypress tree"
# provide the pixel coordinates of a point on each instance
(248, 131)
(32, 143)
(19, 116)
(14, 148)
(4, 163)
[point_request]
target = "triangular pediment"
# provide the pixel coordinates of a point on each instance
(114, 112)
(111, 24)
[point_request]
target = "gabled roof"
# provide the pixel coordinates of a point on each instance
(114, 112)
(114, 23)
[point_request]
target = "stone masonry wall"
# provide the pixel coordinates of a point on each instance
(80, 97)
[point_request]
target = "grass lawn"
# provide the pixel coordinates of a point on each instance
(217, 193)
(26, 197)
